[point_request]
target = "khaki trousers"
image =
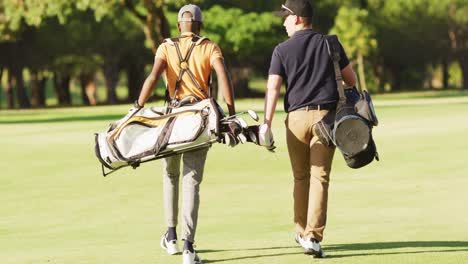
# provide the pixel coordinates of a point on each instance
(311, 164)
(194, 164)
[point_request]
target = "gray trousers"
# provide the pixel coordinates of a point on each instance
(193, 166)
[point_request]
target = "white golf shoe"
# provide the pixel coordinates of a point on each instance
(171, 247)
(190, 258)
(311, 246)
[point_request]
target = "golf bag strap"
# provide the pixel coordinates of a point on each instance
(160, 145)
(333, 51)
(163, 139)
(184, 67)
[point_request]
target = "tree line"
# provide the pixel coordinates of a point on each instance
(394, 45)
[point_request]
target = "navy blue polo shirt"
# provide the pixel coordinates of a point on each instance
(307, 69)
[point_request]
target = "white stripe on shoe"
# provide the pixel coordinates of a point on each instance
(171, 247)
(311, 246)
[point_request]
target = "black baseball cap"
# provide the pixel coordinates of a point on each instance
(302, 8)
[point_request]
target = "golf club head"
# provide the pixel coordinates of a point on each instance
(242, 122)
(253, 137)
(253, 115)
(230, 140)
(235, 128)
(242, 138)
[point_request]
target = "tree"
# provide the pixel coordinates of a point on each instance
(356, 35)
(408, 38)
(457, 31)
(245, 39)
(1, 84)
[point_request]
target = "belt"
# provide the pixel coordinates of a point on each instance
(329, 106)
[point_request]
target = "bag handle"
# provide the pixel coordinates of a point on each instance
(333, 51)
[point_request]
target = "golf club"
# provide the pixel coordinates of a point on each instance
(251, 113)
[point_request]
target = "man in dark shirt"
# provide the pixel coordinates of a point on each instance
(304, 64)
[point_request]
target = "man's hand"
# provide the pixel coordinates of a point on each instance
(265, 137)
(136, 107)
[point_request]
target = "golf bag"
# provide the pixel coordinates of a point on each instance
(149, 134)
(351, 129)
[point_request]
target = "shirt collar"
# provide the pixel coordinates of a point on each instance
(304, 32)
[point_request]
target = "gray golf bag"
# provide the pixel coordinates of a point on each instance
(350, 129)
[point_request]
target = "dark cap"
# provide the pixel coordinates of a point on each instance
(302, 8)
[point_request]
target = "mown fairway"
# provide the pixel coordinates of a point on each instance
(411, 207)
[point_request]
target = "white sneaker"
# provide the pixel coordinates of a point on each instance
(190, 258)
(172, 247)
(311, 246)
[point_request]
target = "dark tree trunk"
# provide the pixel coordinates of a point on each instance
(381, 79)
(9, 91)
(395, 78)
(154, 23)
(445, 74)
(135, 78)
(62, 88)
(156, 26)
(363, 4)
(464, 67)
(21, 94)
(1, 87)
(240, 81)
(88, 88)
(34, 82)
(83, 83)
(111, 74)
(42, 90)
(37, 89)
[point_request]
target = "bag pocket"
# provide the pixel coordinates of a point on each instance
(324, 132)
(324, 129)
(365, 108)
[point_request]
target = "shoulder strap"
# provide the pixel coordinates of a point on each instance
(198, 40)
(334, 52)
(184, 67)
(171, 41)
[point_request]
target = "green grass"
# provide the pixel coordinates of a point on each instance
(425, 94)
(411, 207)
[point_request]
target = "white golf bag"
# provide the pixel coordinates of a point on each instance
(149, 133)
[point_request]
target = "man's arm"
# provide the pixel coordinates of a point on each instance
(271, 97)
(158, 68)
(349, 77)
(224, 83)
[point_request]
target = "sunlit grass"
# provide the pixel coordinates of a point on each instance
(408, 208)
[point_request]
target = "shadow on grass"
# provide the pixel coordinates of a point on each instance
(207, 260)
(241, 249)
(64, 119)
(249, 257)
(417, 246)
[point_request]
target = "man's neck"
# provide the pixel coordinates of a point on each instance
(189, 33)
(303, 27)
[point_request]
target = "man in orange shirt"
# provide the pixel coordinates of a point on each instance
(187, 62)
